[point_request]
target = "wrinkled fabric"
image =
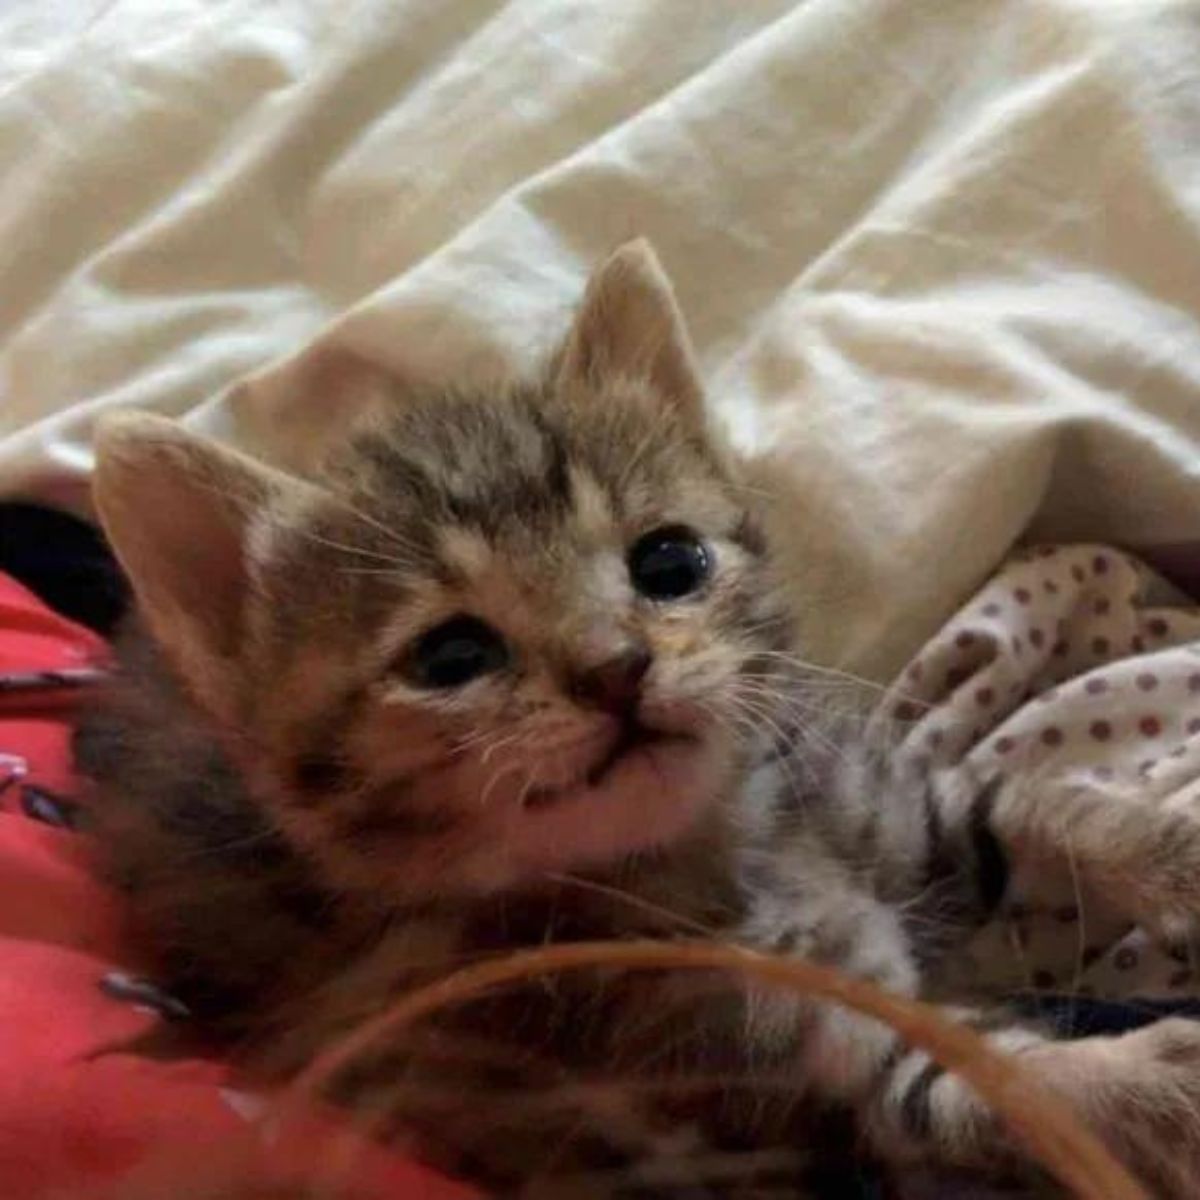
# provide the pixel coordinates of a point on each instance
(941, 262)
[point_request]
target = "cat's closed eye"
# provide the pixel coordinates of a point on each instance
(669, 563)
(454, 653)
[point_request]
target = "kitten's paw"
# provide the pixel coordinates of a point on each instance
(1116, 836)
(1147, 1108)
(1139, 1093)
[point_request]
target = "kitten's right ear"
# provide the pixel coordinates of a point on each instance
(188, 520)
(629, 326)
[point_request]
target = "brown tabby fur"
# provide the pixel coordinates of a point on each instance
(304, 832)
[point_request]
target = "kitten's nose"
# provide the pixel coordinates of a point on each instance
(616, 685)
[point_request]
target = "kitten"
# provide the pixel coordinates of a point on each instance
(517, 666)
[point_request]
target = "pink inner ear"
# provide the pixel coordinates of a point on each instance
(178, 511)
(210, 554)
(629, 325)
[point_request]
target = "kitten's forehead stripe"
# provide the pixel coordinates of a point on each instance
(556, 478)
(486, 464)
(517, 459)
(394, 471)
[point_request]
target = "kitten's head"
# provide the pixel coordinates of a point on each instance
(496, 635)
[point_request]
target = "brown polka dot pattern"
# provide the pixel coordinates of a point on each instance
(1059, 665)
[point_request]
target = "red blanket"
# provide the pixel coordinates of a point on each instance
(72, 1123)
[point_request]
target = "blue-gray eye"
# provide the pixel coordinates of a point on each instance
(456, 652)
(669, 563)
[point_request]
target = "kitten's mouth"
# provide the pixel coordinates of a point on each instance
(631, 738)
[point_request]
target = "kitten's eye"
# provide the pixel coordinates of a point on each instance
(668, 563)
(455, 652)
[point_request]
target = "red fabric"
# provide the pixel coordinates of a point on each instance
(73, 1122)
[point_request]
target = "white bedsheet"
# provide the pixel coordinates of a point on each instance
(941, 260)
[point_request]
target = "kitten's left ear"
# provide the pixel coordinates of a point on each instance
(188, 519)
(629, 325)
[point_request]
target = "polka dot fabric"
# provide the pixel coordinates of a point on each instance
(1072, 659)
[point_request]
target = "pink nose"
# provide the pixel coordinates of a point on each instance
(614, 686)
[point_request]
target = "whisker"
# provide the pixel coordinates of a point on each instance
(485, 795)
(807, 667)
(397, 539)
(499, 744)
(637, 902)
(800, 730)
(357, 551)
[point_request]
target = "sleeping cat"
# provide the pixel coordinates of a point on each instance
(517, 666)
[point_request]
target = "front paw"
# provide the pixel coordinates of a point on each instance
(1147, 1107)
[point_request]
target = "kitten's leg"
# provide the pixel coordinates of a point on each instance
(1139, 854)
(1140, 1092)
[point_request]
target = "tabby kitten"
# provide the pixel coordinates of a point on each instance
(516, 666)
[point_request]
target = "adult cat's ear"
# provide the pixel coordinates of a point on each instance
(189, 521)
(630, 326)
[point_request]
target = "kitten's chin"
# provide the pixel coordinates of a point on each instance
(645, 798)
